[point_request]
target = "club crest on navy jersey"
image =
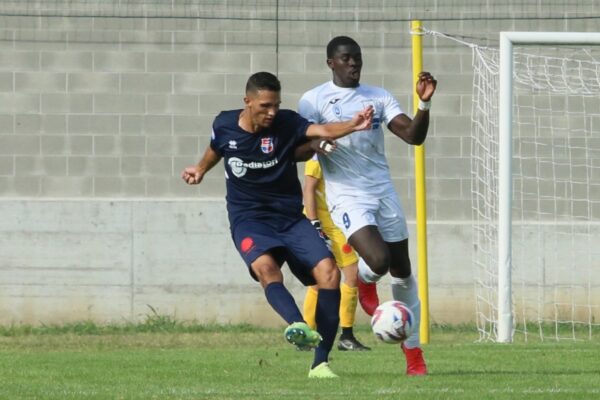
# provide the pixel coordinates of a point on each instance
(266, 145)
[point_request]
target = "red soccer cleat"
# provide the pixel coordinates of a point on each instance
(415, 364)
(367, 296)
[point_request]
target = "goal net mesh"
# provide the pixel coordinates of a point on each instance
(556, 191)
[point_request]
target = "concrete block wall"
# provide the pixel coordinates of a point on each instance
(66, 260)
(98, 116)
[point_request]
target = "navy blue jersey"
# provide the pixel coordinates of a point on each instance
(262, 179)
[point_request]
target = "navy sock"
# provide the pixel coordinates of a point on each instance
(328, 319)
(282, 302)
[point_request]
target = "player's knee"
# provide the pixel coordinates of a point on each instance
(379, 263)
(327, 274)
(330, 280)
(267, 273)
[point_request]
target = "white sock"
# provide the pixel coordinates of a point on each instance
(406, 291)
(365, 273)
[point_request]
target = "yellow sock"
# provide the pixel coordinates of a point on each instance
(310, 307)
(348, 305)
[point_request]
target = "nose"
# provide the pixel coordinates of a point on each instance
(357, 62)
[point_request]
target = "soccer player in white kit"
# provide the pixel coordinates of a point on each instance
(360, 194)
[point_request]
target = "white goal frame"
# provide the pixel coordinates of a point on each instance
(505, 104)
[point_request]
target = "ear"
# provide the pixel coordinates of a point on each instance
(330, 63)
(246, 100)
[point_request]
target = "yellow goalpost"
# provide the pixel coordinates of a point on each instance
(420, 191)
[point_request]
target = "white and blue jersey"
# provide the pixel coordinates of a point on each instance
(357, 177)
(358, 166)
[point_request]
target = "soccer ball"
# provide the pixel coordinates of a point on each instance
(392, 322)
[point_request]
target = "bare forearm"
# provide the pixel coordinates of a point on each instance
(310, 201)
(310, 206)
(311, 212)
(304, 152)
(417, 131)
(332, 131)
(411, 131)
(193, 175)
(208, 161)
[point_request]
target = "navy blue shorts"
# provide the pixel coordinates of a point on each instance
(298, 244)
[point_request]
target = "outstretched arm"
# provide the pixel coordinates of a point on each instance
(415, 131)
(362, 120)
(193, 175)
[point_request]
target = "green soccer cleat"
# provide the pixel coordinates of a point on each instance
(300, 334)
(322, 371)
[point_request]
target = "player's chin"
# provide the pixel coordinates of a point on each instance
(354, 76)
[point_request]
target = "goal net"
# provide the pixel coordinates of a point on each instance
(555, 202)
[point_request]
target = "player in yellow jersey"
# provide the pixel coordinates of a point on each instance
(315, 208)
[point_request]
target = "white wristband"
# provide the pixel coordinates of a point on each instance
(424, 105)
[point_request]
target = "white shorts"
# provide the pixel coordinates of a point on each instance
(352, 213)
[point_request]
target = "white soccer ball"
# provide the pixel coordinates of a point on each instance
(392, 322)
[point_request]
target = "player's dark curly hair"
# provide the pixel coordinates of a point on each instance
(337, 42)
(263, 81)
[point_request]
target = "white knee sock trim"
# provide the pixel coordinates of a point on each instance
(365, 273)
(407, 283)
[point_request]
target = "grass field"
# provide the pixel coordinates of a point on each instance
(162, 359)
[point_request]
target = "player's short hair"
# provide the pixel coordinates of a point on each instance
(338, 41)
(263, 81)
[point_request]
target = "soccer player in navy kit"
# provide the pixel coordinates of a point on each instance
(259, 145)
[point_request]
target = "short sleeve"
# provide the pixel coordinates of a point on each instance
(313, 168)
(391, 107)
(307, 107)
(298, 125)
(215, 143)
